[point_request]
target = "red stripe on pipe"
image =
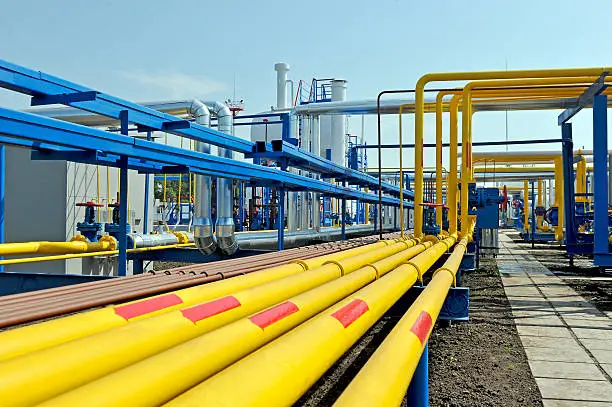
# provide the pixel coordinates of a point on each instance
(350, 312)
(421, 326)
(209, 309)
(274, 314)
(139, 308)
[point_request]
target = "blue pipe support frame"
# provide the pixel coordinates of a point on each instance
(145, 217)
(280, 222)
(567, 154)
(602, 257)
(2, 193)
(418, 391)
(157, 157)
(123, 204)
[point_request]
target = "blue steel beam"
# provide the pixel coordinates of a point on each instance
(40, 85)
(309, 161)
(56, 132)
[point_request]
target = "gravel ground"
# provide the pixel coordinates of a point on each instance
(473, 364)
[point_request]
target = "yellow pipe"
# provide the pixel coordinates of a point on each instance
(505, 170)
(439, 176)
(50, 372)
(108, 196)
(539, 218)
(188, 364)
(280, 372)
(77, 246)
(43, 335)
(88, 254)
(559, 199)
(459, 76)
(502, 82)
(452, 191)
(385, 378)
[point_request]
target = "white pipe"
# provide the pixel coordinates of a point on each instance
(315, 147)
(338, 154)
(203, 228)
(281, 69)
(226, 239)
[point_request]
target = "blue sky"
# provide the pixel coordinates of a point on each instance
(159, 50)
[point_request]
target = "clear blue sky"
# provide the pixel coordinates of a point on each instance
(155, 50)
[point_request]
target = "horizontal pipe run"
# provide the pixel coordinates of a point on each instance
(38, 376)
(384, 379)
(280, 372)
(54, 332)
(186, 365)
(90, 254)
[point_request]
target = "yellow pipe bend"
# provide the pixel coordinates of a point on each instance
(471, 76)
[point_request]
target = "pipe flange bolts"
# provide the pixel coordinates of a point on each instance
(79, 238)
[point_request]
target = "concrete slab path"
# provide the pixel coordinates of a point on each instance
(568, 341)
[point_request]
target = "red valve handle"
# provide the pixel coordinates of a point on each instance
(90, 203)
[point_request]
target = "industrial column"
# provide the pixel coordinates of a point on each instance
(123, 205)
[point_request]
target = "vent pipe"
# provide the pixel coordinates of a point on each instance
(202, 222)
(226, 239)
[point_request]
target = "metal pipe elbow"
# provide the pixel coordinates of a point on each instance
(226, 238)
(203, 236)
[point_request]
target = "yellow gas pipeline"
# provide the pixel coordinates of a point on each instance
(458, 76)
(77, 245)
(174, 371)
(38, 376)
(31, 338)
(384, 379)
(283, 370)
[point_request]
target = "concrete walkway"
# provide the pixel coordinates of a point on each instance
(567, 340)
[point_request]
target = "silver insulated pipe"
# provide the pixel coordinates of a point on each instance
(226, 239)
(202, 222)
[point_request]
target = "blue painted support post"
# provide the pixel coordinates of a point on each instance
(567, 153)
(137, 266)
(280, 220)
(418, 391)
(145, 227)
(2, 191)
(123, 207)
(533, 217)
(343, 218)
(600, 166)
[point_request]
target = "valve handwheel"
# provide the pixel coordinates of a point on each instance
(90, 204)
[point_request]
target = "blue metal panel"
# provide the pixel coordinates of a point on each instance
(585, 99)
(600, 167)
(15, 283)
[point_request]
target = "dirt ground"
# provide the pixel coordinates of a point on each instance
(482, 362)
(473, 364)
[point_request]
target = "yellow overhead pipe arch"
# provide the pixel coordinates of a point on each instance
(459, 76)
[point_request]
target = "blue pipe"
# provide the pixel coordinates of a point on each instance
(418, 391)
